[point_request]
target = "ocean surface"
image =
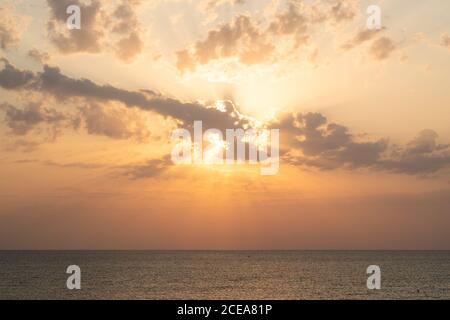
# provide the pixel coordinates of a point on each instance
(225, 274)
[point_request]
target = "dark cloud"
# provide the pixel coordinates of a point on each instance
(52, 81)
(421, 155)
(100, 28)
(425, 142)
(151, 168)
(22, 121)
(316, 136)
(86, 39)
(109, 120)
(113, 121)
(315, 142)
(312, 141)
(13, 78)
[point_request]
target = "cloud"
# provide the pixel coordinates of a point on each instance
(41, 57)
(22, 121)
(241, 39)
(151, 168)
(425, 142)
(361, 37)
(88, 38)
(445, 40)
(52, 81)
(11, 28)
(291, 23)
(255, 41)
(343, 11)
(310, 140)
(125, 17)
(382, 48)
(114, 121)
(211, 7)
(129, 47)
(13, 78)
(420, 156)
(127, 25)
(76, 165)
(102, 26)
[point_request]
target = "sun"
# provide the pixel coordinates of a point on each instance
(215, 148)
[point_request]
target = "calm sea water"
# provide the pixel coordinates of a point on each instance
(224, 275)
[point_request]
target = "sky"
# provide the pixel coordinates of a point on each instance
(86, 117)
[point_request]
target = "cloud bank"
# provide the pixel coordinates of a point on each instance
(308, 139)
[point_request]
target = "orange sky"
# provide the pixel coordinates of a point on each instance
(86, 117)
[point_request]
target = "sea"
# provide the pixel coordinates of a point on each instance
(278, 275)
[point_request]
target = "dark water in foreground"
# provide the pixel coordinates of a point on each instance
(224, 274)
